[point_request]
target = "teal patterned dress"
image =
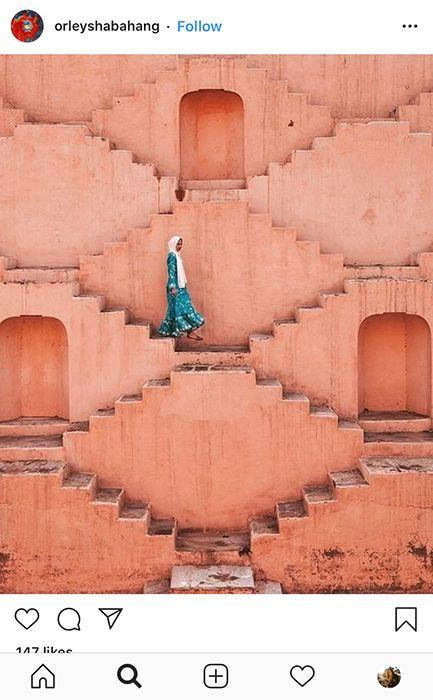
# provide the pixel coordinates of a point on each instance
(181, 316)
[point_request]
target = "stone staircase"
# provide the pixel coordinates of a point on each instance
(319, 413)
(112, 503)
(212, 191)
(343, 487)
(214, 580)
(400, 434)
(10, 272)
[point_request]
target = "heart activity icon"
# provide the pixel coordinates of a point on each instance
(26, 618)
(302, 674)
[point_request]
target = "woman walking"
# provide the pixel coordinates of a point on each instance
(181, 316)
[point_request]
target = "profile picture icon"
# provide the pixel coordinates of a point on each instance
(27, 25)
(390, 677)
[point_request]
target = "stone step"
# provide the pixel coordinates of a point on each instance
(129, 399)
(264, 525)
(372, 467)
(80, 481)
(348, 484)
(305, 313)
(291, 510)
(211, 349)
(31, 447)
(278, 323)
(231, 184)
(216, 195)
(317, 497)
(33, 426)
(135, 510)
(212, 579)
(393, 422)
(162, 586)
(109, 496)
(97, 299)
(295, 398)
(400, 444)
(323, 412)
(162, 527)
(245, 369)
(216, 355)
(37, 467)
(347, 479)
(42, 274)
(212, 541)
(119, 311)
(394, 271)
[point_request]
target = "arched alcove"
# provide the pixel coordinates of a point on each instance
(394, 364)
(211, 135)
(33, 368)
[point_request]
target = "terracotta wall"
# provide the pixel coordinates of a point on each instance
(275, 120)
(106, 357)
(67, 88)
(363, 193)
(213, 448)
(242, 273)
(369, 541)
(69, 192)
(394, 364)
(34, 368)
(58, 88)
(353, 85)
(327, 368)
(211, 135)
(54, 540)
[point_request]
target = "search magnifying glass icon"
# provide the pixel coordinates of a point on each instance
(128, 675)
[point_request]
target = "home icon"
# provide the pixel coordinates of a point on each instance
(43, 678)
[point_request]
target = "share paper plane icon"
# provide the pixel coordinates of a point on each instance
(112, 615)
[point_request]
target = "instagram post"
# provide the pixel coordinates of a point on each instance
(216, 310)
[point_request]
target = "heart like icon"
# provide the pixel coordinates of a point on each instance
(302, 674)
(26, 618)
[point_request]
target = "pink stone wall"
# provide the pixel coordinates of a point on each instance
(213, 448)
(275, 120)
(65, 88)
(101, 346)
(327, 369)
(34, 369)
(325, 223)
(366, 541)
(69, 192)
(353, 85)
(54, 540)
(357, 193)
(228, 255)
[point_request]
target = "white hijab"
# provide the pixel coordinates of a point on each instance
(181, 276)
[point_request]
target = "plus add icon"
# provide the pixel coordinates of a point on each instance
(216, 676)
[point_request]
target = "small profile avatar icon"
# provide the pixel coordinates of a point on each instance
(27, 25)
(390, 677)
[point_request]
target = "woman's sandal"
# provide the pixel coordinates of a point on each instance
(194, 337)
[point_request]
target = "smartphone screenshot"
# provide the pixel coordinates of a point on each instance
(216, 313)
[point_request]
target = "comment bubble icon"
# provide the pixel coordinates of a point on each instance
(69, 619)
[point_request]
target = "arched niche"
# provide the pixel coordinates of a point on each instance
(395, 364)
(211, 135)
(33, 368)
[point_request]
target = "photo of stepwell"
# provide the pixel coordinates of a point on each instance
(216, 305)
